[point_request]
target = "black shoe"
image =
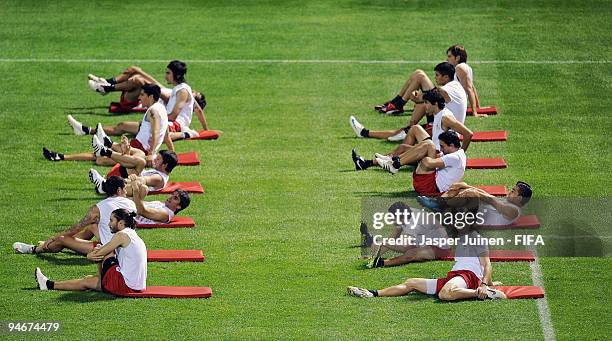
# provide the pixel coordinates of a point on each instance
(358, 161)
(52, 156)
(366, 237)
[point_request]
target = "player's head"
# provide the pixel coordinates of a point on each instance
(176, 71)
(445, 72)
(166, 161)
(149, 94)
(433, 97)
(113, 186)
(200, 99)
(456, 54)
(122, 218)
(449, 142)
(178, 201)
(520, 194)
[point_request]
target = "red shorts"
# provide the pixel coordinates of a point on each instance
(425, 184)
(136, 144)
(112, 280)
(470, 278)
(174, 127)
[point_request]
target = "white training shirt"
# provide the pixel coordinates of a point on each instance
(470, 73)
(424, 227)
(458, 97)
(436, 128)
(106, 207)
(454, 168)
(185, 115)
(145, 132)
(152, 171)
(155, 204)
(492, 217)
(133, 261)
(467, 256)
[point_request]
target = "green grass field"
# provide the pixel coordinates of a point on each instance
(280, 215)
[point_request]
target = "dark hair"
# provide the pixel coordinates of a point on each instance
(170, 159)
(446, 69)
(201, 101)
(524, 191)
(458, 51)
(112, 185)
(450, 137)
(152, 90)
(434, 96)
(179, 69)
(129, 218)
(185, 200)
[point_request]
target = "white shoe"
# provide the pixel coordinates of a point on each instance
(357, 127)
(192, 133)
(106, 141)
(383, 157)
(495, 294)
(23, 247)
(97, 145)
(97, 180)
(359, 292)
(387, 165)
(97, 87)
(397, 137)
(97, 79)
(77, 127)
(41, 279)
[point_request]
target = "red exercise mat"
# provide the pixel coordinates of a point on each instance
(484, 110)
(206, 135)
(117, 108)
(498, 191)
(172, 292)
(175, 222)
(516, 292)
(191, 187)
(486, 163)
(523, 222)
(489, 136)
(188, 159)
(175, 256)
(501, 256)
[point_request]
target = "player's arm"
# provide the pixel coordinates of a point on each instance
(91, 217)
(444, 94)
(508, 210)
(181, 100)
(154, 180)
(468, 86)
(452, 123)
(156, 214)
(155, 126)
(432, 163)
(168, 141)
(119, 240)
(200, 114)
(485, 262)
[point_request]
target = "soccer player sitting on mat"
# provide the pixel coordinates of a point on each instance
(180, 101)
(418, 142)
(495, 211)
(151, 132)
(470, 277)
(456, 55)
(95, 223)
(122, 262)
(408, 253)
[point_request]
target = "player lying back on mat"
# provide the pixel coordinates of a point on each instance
(470, 277)
(122, 262)
(95, 223)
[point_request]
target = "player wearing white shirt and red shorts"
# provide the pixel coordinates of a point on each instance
(470, 277)
(123, 257)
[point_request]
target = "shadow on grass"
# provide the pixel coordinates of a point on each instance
(93, 198)
(87, 108)
(85, 297)
(65, 259)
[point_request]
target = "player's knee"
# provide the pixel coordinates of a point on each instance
(411, 283)
(447, 292)
(418, 73)
(134, 69)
